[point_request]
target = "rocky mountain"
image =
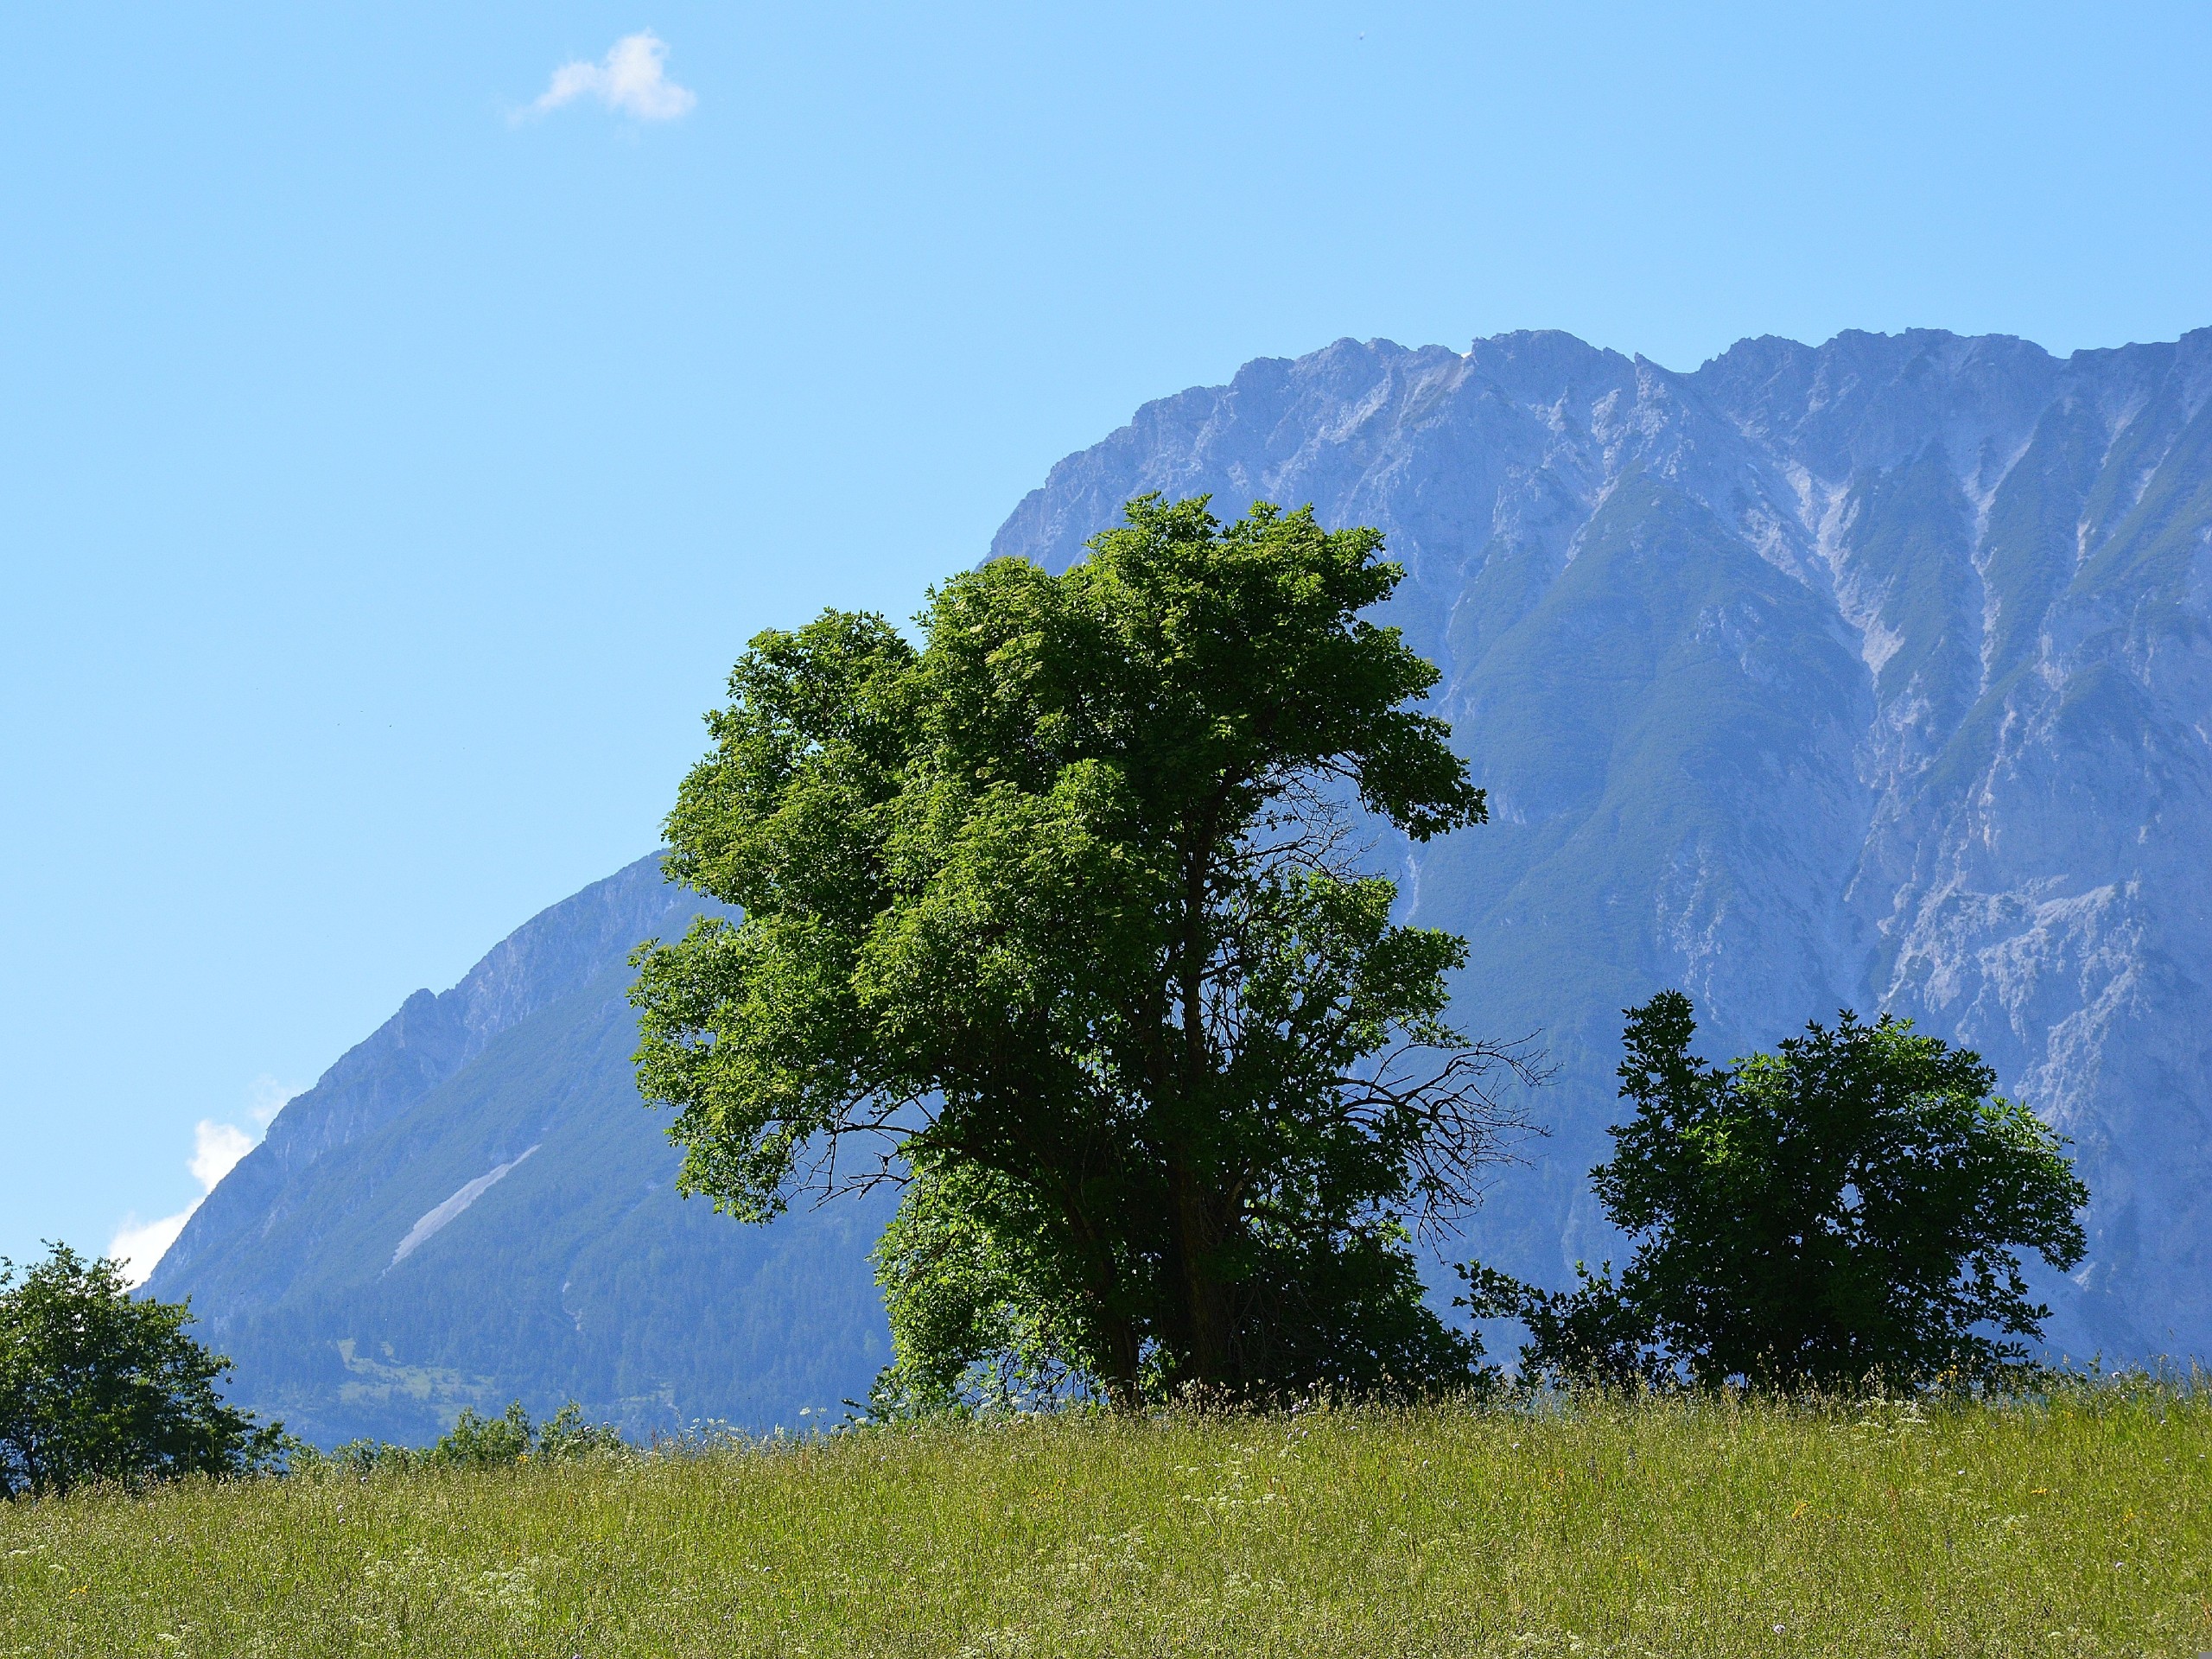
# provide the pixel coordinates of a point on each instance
(472, 1206)
(1876, 674)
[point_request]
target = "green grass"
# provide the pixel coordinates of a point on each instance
(1676, 1528)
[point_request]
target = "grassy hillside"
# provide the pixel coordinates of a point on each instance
(2083, 1526)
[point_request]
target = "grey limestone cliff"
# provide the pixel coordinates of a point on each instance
(1877, 674)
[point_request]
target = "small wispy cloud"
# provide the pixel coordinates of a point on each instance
(631, 80)
(140, 1249)
(265, 1097)
(216, 1150)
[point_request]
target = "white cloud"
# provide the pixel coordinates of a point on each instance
(216, 1149)
(629, 80)
(141, 1248)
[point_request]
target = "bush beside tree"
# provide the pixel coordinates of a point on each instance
(1851, 1206)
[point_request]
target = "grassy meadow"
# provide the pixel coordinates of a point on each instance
(1671, 1528)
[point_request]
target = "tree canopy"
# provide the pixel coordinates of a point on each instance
(96, 1385)
(1851, 1205)
(1061, 908)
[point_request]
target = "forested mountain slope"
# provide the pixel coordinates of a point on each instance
(1877, 674)
(472, 1205)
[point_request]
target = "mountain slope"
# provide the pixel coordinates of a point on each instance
(1877, 674)
(472, 1206)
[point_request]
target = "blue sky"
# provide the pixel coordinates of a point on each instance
(399, 440)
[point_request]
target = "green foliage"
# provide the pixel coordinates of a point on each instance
(1055, 906)
(568, 1435)
(2078, 1523)
(976, 1301)
(1592, 1335)
(476, 1442)
(1851, 1206)
(97, 1386)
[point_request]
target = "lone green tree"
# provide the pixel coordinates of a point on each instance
(96, 1385)
(1851, 1206)
(1058, 910)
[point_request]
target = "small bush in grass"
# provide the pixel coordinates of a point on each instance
(477, 1442)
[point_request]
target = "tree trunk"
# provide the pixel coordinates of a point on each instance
(1124, 1388)
(1205, 1297)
